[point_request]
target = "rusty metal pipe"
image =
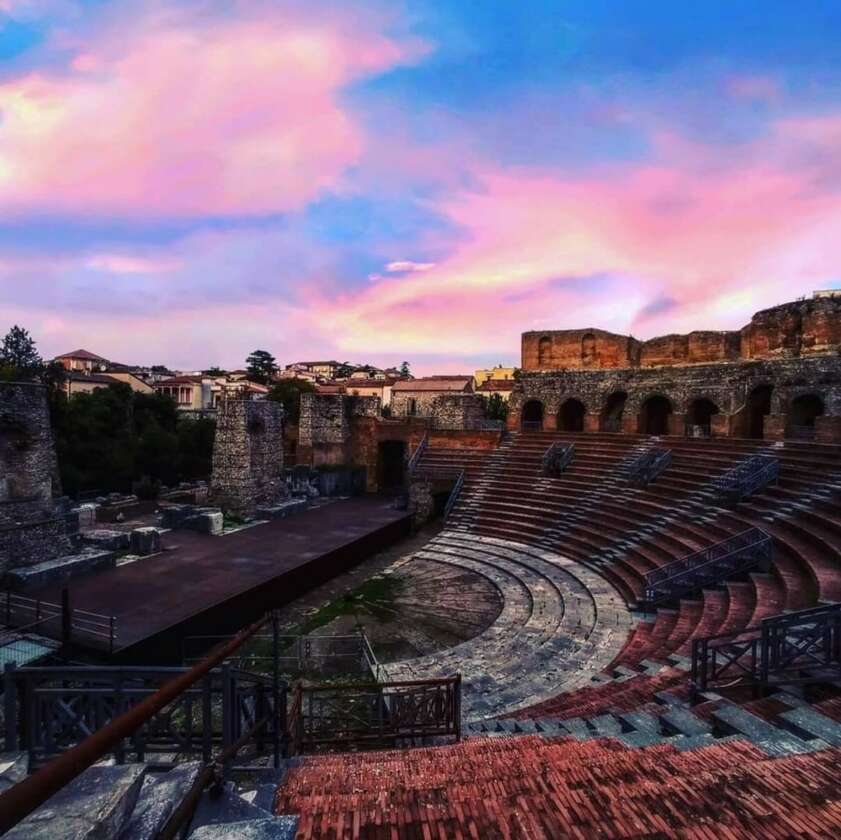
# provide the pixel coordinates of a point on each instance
(22, 799)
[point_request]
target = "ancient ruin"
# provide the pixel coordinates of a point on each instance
(248, 456)
(779, 377)
(31, 532)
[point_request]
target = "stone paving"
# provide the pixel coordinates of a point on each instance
(559, 626)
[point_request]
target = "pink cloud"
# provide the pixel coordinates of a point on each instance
(721, 238)
(753, 88)
(404, 266)
(192, 115)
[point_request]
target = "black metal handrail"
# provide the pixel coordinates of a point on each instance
(418, 453)
(557, 458)
(747, 477)
(22, 799)
(648, 465)
(798, 647)
(454, 494)
(709, 565)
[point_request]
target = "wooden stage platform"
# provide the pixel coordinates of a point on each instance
(207, 585)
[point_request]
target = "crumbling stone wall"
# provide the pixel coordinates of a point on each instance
(248, 455)
(729, 386)
(792, 330)
(30, 530)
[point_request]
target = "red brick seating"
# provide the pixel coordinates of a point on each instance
(533, 788)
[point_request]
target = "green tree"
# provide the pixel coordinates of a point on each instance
(19, 357)
(404, 369)
(215, 371)
(496, 408)
(262, 366)
(344, 370)
(288, 392)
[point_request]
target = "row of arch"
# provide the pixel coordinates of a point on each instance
(656, 411)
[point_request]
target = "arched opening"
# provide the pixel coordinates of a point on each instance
(544, 351)
(759, 406)
(655, 416)
(699, 417)
(613, 410)
(532, 417)
(391, 465)
(802, 415)
(571, 416)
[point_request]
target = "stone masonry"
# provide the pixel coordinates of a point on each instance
(30, 531)
(248, 456)
(778, 377)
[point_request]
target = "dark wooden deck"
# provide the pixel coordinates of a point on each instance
(203, 584)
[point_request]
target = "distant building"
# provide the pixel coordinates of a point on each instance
(380, 388)
(78, 382)
(322, 370)
(82, 360)
(503, 387)
(500, 373)
(416, 397)
(200, 395)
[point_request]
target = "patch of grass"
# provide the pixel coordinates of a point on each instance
(374, 598)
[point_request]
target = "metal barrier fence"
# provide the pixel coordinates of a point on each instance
(792, 648)
(59, 621)
(373, 715)
(747, 477)
(293, 654)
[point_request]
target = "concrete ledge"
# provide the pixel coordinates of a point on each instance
(62, 568)
(282, 510)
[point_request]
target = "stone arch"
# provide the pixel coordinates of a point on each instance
(613, 410)
(700, 412)
(588, 350)
(544, 351)
(654, 415)
(758, 407)
(804, 410)
(571, 415)
(532, 415)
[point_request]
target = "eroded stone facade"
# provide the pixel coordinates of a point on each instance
(30, 530)
(778, 377)
(248, 456)
(794, 330)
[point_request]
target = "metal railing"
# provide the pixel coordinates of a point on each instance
(698, 430)
(711, 565)
(59, 621)
(747, 477)
(49, 710)
(22, 799)
(373, 715)
(791, 648)
(557, 458)
(294, 654)
(648, 465)
(418, 453)
(454, 494)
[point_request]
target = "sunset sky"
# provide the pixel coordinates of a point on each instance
(183, 182)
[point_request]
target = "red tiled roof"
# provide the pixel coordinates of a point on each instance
(82, 354)
(180, 380)
(436, 383)
(497, 385)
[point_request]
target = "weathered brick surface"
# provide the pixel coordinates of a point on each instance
(727, 385)
(248, 455)
(800, 328)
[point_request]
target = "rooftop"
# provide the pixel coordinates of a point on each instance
(436, 383)
(82, 354)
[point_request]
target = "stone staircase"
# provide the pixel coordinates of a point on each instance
(135, 801)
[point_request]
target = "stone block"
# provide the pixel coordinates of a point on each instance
(93, 806)
(158, 797)
(145, 541)
(14, 767)
(61, 569)
(266, 828)
(87, 515)
(282, 510)
(108, 540)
